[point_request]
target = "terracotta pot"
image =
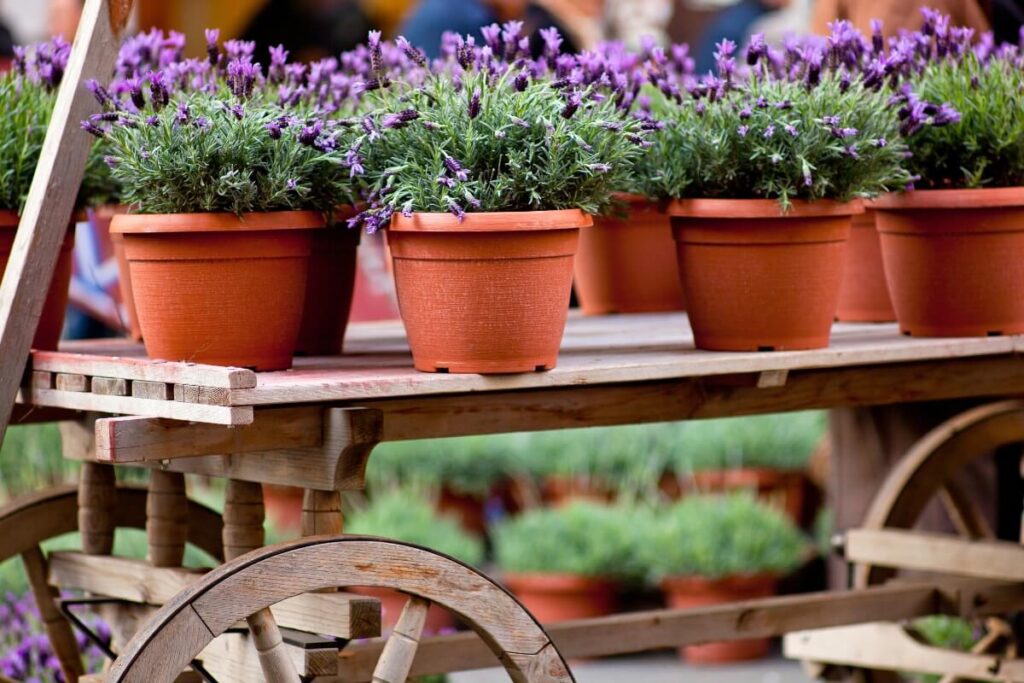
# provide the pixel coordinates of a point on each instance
(284, 507)
(51, 323)
(105, 214)
(864, 294)
(628, 265)
(469, 510)
(219, 289)
(562, 597)
(686, 592)
(786, 491)
(489, 294)
(439, 619)
(757, 279)
(560, 490)
(953, 260)
(329, 287)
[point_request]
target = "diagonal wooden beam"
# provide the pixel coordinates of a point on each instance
(52, 196)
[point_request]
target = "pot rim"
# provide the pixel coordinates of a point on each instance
(492, 221)
(162, 223)
(761, 208)
(959, 198)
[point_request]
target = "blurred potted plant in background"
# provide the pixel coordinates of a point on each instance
(407, 516)
(765, 454)
(566, 563)
(707, 550)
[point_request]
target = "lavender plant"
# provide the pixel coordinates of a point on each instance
(27, 96)
(486, 130)
(793, 127)
(982, 87)
(222, 147)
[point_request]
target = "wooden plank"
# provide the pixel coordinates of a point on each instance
(127, 405)
(51, 197)
(889, 647)
(191, 393)
(42, 380)
(137, 439)
(400, 649)
(944, 554)
(651, 630)
(67, 382)
(341, 615)
(110, 386)
(144, 369)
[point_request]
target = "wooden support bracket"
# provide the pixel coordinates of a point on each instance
(889, 647)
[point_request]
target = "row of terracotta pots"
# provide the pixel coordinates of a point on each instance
(757, 279)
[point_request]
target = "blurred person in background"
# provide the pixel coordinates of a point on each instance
(309, 29)
(897, 14)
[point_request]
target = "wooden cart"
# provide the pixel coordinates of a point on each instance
(276, 612)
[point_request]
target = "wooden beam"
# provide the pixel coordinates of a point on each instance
(130, 405)
(939, 553)
(889, 647)
(231, 658)
(141, 439)
(340, 615)
(643, 631)
(54, 189)
(144, 369)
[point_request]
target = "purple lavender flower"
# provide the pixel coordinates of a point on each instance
(274, 130)
(946, 115)
(415, 54)
(98, 91)
(522, 80)
(792, 130)
(92, 129)
(135, 91)
(769, 132)
(455, 168)
(399, 120)
(212, 50)
(183, 114)
(456, 210)
(519, 122)
(311, 132)
(724, 60)
(757, 49)
(158, 89)
(746, 113)
(552, 43)
(572, 105)
(813, 59)
(877, 39)
(153, 120)
(474, 104)
(202, 123)
(492, 37)
(376, 53)
(742, 131)
(278, 61)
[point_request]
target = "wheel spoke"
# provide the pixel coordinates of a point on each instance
(395, 661)
(963, 511)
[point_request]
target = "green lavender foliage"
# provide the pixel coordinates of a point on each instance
(551, 162)
(986, 147)
(706, 155)
(404, 516)
(27, 106)
(946, 632)
(783, 442)
(720, 536)
(580, 538)
(214, 161)
(469, 465)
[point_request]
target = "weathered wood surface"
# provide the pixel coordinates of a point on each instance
(231, 658)
(341, 615)
(611, 353)
(889, 647)
(51, 197)
(643, 631)
(272, 574)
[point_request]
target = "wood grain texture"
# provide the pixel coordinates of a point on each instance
(231, 658)
(138, 439)
(129, 405)
(58, 630)
(116, 358)
(644, 631)
(937, 553)
(97, 498)
(321, 513)
(166, 519)
(51, 197)
(889, 647)
(265, 577)
(400, 649)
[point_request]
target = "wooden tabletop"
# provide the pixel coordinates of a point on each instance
(602, 350)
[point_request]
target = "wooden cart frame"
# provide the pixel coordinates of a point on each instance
(316, 425)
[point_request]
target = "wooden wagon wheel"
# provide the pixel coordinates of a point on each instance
(183, 627)
(27, 522)
(928, 471)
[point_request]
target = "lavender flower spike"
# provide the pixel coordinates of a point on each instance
(474, 104)
(212, 50)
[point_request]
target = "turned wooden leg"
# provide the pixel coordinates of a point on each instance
(321, 513)
(243, 532)
(166, 518)
(97, 495)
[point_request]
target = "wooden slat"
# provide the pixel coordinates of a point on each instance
(144, 369)
(985, 559)
(160, 391)
(643, 631)
(110, 386)
(231, 658)
(127, 405)
(66, 382)
(341, 615)
(51, 197)
(136, 439)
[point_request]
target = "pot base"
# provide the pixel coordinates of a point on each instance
(517, 366)
(747, 344)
